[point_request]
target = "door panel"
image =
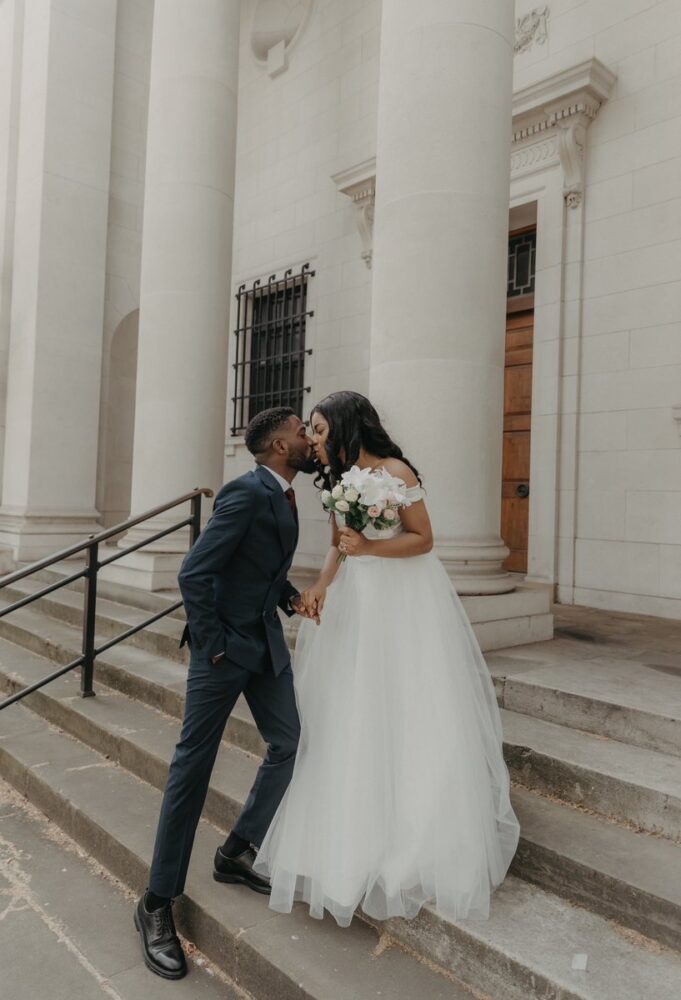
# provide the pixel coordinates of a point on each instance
(516, 453)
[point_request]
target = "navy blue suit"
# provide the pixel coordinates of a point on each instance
(232, 581)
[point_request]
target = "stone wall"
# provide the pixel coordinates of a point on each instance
(295, 130)
(626, 374)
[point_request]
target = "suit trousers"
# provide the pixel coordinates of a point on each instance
(212, 691)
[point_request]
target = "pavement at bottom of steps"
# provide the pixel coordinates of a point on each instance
(58, 913)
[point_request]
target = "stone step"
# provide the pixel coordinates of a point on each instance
(626, 783)
(148, 600)
(633, 785)
(67, 932)
(523, 952)
(112, 815)
(633, 700)
(636, 701)
(498, 620)
(610, 869)
(582, 857)
(161, 638)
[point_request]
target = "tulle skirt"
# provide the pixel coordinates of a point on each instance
(400, 793)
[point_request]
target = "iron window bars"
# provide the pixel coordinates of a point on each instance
(270, 345)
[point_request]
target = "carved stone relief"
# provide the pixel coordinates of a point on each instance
(276, 27)
(532, 29)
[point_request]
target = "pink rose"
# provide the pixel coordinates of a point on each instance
(374, 511)
(389, 514)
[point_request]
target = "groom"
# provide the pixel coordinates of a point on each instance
(232, 581)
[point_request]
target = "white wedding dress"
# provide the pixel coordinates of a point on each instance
(400, 793)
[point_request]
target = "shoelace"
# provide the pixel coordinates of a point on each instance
(164, 920)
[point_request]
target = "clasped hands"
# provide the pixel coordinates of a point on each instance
(310, 603)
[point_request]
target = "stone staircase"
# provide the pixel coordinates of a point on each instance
(592, 724)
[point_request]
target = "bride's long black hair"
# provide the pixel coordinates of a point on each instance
(353, 424)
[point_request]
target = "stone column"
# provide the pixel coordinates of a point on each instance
(186, 272)
(439, 264)
(58, 231)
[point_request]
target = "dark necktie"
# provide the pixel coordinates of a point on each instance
(291, 497)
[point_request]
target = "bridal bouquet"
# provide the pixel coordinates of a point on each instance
(365, 497)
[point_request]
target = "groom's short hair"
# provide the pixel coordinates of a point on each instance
(263, 428)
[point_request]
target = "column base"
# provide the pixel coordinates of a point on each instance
(31, 536)
(154, 567)
(145, 570)
(475, 566)
(511, 619)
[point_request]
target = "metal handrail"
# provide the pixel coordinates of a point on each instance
(93, 564)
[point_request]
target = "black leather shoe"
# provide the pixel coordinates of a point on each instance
(161, 947)
(240, 869)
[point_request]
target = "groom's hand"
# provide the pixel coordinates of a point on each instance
(300, 607)
(313, 599)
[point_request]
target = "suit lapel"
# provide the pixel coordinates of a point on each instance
(283, 516)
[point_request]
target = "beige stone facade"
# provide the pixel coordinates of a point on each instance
(152, 162)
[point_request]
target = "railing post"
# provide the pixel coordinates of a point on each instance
(195, 526)
(89, 614)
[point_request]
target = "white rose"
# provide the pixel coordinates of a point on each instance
(342, 506)
(389, 514)
(337, 492)
(325, 495)
(351, 494)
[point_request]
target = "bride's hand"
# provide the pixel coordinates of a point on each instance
(352, 543)
(313, 599)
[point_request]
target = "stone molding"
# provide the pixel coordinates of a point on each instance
(275, 30)
(535, 156)
(531, 29)
(359, 184)
(550, 119)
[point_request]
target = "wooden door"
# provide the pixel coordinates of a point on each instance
(515, 500)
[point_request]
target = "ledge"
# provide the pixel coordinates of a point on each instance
(580, 88)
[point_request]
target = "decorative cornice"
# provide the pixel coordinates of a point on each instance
(359, 184)
(590, 75)
(564, 105)
(531, 28)
(535, 156)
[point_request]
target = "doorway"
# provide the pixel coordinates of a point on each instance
(515, 484)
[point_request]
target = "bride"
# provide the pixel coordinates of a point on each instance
(400, 794)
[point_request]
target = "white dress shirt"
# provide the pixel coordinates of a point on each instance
(284, 483)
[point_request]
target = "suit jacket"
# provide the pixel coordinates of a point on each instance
(235, 575)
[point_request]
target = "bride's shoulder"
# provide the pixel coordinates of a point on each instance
(396, 467)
